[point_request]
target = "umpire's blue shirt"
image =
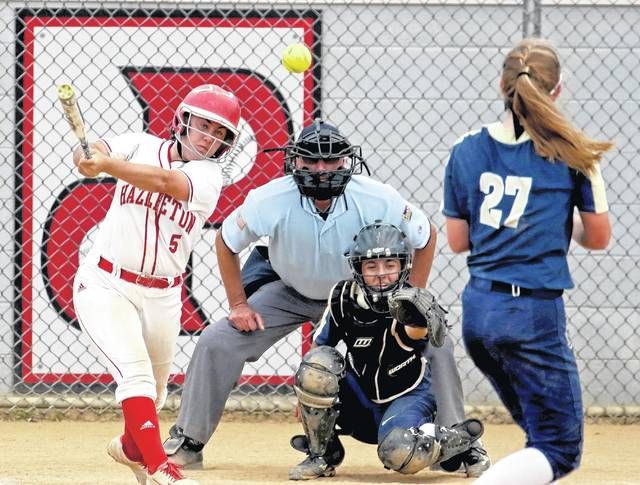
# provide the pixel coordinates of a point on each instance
(306, 251)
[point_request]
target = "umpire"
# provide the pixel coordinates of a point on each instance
(310, 217)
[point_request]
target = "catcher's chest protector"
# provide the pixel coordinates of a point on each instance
(386, 362)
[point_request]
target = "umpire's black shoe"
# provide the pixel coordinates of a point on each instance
(183, 450)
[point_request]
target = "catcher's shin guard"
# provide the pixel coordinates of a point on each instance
(333, 455)
(318, 426)
(317, 384)
(408, 450)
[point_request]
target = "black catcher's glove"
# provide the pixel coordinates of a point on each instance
(416, 307)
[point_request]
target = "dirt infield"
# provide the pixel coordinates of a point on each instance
(73, 452)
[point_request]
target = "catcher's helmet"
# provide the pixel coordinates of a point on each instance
(380, 241)
(322, 141)
(213, 103)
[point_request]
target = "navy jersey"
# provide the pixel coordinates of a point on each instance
(385, 360)
(519, 207)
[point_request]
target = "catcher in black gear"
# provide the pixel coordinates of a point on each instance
(381, 393)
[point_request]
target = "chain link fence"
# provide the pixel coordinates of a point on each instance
(403, 79)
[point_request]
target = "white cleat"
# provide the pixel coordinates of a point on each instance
(115, 451)
(169, 474)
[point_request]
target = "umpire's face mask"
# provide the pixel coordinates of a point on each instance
(321, 179)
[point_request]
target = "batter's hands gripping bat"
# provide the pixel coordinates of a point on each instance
(67, 98)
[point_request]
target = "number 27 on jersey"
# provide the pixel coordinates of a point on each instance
(495, 188)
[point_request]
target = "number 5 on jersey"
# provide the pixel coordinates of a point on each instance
(495, 189)
(173, 242)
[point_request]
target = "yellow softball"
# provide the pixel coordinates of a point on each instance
(296, 58)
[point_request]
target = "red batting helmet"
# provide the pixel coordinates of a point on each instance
(213, 103)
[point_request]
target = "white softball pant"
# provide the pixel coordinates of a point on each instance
(133, 329)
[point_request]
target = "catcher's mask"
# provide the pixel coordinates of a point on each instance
(214, 104)
(380, 241)
(322, 141)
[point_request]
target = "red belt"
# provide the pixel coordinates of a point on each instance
(139, 279)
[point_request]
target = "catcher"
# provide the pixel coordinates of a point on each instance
(381, 394)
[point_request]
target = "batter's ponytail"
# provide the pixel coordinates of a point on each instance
(531, 76)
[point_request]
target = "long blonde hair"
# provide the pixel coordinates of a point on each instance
(530, 77)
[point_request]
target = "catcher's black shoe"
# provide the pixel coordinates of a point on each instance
(312, 467)
(457, 439)
(182, 450)
(473, 462)
(316, 466)
(476, 461)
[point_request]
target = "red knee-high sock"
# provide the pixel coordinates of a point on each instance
(141, 421)
(130, 448)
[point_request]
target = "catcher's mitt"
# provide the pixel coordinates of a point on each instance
(416, 307)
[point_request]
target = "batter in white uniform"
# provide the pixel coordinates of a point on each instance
(127, 292)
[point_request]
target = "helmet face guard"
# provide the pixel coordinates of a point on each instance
(380, 241)
(322, 141)
(226, 143)
(214, 104)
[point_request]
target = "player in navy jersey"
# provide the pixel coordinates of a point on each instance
(381, 393)
(510, 193)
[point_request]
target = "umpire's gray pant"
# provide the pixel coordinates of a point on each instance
(446, 384)
(222, 350)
